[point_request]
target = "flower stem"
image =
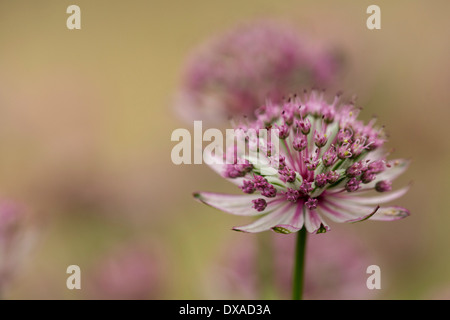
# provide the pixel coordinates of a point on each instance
(297, 285)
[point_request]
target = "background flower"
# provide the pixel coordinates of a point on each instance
(129, 272)
(336, 266)
(235, 73)
(16, 240)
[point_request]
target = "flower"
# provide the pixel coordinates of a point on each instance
(330, 180)
(336, 268)
(231, 275)
(129, 272)
(16, 240)
(439, 293)
(233, 74)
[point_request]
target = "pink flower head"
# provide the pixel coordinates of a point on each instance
(129, 272)
(306, 187)
(336, 268)
(16, 238)
(234, 74)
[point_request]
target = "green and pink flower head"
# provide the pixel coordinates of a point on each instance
(328, 166)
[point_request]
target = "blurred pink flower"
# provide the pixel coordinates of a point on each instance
(234, 274)
(128, 272)
(328, 161)
(235, 73)
(335, 269)
(16, 239)
(438, 293)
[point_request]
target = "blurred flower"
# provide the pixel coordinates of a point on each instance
(340, 160)
(16, 239)
(335, 269)
(234, 274)
(128, 273)
(233, 74)
(439, 293)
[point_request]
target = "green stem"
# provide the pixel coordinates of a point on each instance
(297, 285)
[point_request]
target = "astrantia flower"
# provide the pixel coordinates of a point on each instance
(16, 240)
(129, 272)
(235, 73)
(331, 177)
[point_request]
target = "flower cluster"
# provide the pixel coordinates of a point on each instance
(234, 74)
(327, 162)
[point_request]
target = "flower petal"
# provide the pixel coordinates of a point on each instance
(377, 154)
(366, 217)
(261, 164)
(388, 196)
(390, 214)
(368, 212)
(347, 211)
(236, 204)
(314, 223)
(397, 167)
(335, 214)
(219, 166)
(293, 222)
(267, 222)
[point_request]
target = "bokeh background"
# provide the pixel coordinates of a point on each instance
(86, 118)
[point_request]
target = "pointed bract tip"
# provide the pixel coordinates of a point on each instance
(281, 230)
(322, 229)
(197, 195)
